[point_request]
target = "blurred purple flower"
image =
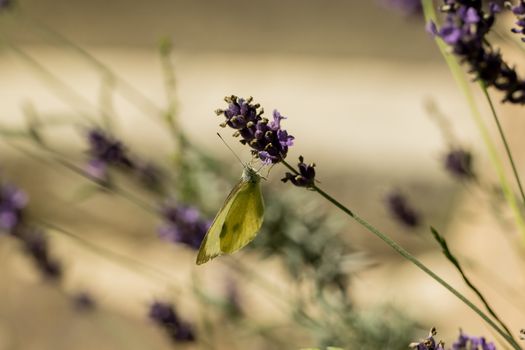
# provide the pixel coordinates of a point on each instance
(105, 151)
(12, 201)
(458, 162)
(464, 30)
(5, 4)
(306, 176)
(36, 246)
(429, 343)
(400, 208)
(466, 342)
(267, 140)
(83, 302)
(519, 12)
(183, 224)
(405, 7)
(165, 316)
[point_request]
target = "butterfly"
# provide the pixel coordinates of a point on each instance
(238, 221)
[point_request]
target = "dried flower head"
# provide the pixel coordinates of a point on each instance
(183, 224)
(266, 138)
(305, 176)
(165, 316)
(429, 343)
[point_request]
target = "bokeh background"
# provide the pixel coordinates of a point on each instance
(354, 78)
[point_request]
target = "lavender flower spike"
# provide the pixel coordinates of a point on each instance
(266, 138)
(465, 29)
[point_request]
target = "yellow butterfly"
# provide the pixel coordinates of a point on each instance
(238, 221)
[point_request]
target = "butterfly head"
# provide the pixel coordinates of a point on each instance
(249, 174)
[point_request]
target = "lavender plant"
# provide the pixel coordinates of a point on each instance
(314, 256)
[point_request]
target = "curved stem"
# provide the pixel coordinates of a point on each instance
(504, 139)
(404, 253)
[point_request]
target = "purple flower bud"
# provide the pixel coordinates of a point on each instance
(97, 169)
(458, 162)
(401, 210)
(183, 224)
(12, 202)
(519, 12)
(306, 176)
(105, 149)
(465, 342)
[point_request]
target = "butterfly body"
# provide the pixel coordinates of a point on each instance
(238, 221)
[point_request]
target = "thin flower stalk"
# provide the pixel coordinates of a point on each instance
(404, 253)
(463, 84)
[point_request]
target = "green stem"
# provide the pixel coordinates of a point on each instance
(504, 139)
(404, 253)
(457, 73)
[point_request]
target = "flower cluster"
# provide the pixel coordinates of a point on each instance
(458, 162)
(105, 151)
(464, 30)
(12, 204)
(165, 316)
(184, 224)
(429, 343)
(12, 201)
(519, 12)
(466, 342)
(304, 178)
(400, 208)
(266, 138)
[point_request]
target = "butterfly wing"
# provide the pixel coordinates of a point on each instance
(244, 217)
(210, 246)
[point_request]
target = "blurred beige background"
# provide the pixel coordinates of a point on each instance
(351, 77)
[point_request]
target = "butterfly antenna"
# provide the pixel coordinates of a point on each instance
(231, 150)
